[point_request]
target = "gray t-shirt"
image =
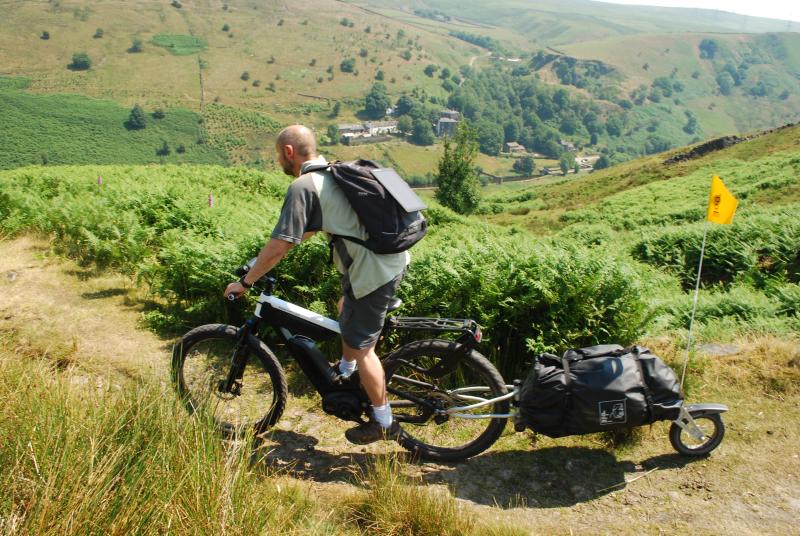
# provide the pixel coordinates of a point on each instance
(301, 211)
(314, 202)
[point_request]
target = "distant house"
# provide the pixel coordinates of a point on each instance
(350, 130)
(587, 162)
(446, 126)
(514, 148)
(450, 114)
(379, 128)
(568, 145)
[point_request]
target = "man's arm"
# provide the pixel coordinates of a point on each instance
(269, 256)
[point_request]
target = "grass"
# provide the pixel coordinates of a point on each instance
(57, 129)
(181, 45)
(84, 454)
(116, 454)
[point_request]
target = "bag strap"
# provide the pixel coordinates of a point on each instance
(648, 396)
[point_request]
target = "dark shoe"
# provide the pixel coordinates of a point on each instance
(371, 431)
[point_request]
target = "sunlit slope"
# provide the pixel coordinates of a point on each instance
(766, 168)
(288, 51)
(552, 22)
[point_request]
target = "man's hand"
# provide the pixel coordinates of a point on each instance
(269, 256)
(235, 288)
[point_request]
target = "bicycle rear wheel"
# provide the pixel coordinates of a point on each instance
(417, 371)
(200, 364)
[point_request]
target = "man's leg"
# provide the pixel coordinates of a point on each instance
(370, 371)
(361, 322)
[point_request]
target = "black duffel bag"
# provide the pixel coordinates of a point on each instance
(599, 388)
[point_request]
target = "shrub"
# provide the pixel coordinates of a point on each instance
(755, 249)
(98, 33)
(80, 62)
(348, 65)
(45, 36)
(136, 46)
(136, 119)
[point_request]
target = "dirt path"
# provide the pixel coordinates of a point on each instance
(750, 485)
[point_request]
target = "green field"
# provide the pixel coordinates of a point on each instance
(181, 45)
(59, 129)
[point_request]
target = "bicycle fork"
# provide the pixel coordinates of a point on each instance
(232, 384)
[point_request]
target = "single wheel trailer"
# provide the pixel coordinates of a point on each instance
(696, 431)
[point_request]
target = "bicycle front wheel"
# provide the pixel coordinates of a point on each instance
(201, 362)
(425, 381)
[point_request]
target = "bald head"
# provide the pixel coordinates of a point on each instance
(295, 144)
(299, 137)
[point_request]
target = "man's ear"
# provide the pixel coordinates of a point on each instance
(288, 152)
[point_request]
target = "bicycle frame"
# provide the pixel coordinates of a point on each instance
(298, 328)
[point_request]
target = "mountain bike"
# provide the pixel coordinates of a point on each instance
(451, 402)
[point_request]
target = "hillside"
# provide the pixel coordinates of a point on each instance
(263, 65)
(561, 22)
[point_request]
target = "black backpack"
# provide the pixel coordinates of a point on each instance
(386, 206)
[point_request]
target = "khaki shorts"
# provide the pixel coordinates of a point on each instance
(361, 320)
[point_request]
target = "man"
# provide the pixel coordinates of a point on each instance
(314, 202)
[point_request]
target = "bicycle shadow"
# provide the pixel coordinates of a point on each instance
(297, 455)
(551, 477)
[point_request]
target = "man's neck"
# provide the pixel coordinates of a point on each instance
(299, 169)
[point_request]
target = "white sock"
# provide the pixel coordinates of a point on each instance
(346, 368)
(383, 414)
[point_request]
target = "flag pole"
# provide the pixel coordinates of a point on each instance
(694, 303)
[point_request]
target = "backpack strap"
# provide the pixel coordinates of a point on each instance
(648, 396)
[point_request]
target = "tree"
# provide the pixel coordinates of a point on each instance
(725, 83)
(164, 150)
(137, 119)
(490, 137)
(431, 69)
(80, 61)
(457, 178)
(245, 76)
(336, 110)
(45, 36)
(363, 53)
(226, 28)
(422, 132)
(525, 165)
(708, 48)
(405, 124)
(379, 75)
(98, 33)
(159, 113)
(602, 162)
(333, 134)
(348, 65)
(691, 123)
(565, 162)
(136, 45)
(376, 101)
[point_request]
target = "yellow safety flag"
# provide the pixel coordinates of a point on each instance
(721, 203)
